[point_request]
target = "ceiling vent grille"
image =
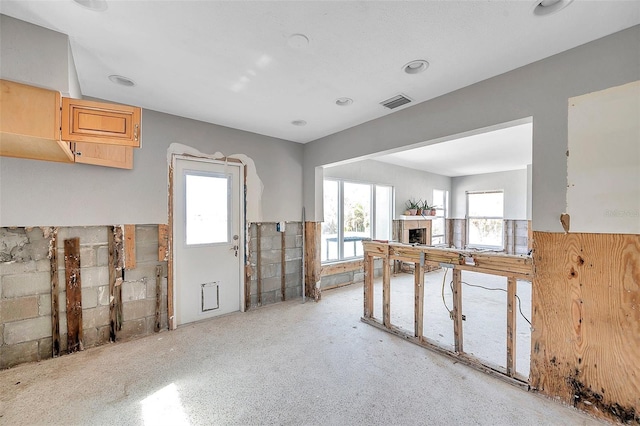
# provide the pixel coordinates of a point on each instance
(396, 101)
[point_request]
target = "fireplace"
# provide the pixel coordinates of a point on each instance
(418, 236)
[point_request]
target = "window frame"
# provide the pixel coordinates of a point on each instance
(468, 220)
(372, 214)
(444, 217)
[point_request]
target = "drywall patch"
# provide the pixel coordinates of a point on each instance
(254, 183)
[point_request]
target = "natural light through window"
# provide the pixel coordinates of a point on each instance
(485, 218)
(164, 408)
(438, 222)
(207, 209)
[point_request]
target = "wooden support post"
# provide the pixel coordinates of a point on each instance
(258, 263)
(74, 294)
(156, 327)
(130, 246)
(449, 226)
(457, 310)
(313, 234)
(55, 294)
(368, 286)
(283, 267)
(170, 314)
(163, 243)
(386, 292)
(115, 281)
(511, 325)
(419, 296)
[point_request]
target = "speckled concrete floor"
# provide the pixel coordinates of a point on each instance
(289, 363)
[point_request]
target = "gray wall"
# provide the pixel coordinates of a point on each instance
(408, 183)
(40, 193)
(539, 90)
(513, 183)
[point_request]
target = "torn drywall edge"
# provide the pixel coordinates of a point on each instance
(254, 183)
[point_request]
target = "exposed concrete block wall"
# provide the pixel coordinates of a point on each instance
(516, 235)
(25, 290)
(342, 279)
(271, 262)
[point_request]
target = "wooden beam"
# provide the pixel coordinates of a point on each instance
(512, 286)
(74, 294)
(419, 297)
(457, 311)
(283, 267)
(55, 294)
(158, 321)
(163, 243)
(129, 246)
(368, 286)
(386, 292)
(259, 262)
(171, 318)
(341, 267)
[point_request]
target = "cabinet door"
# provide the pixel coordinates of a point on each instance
(104, 155)
(98, 122)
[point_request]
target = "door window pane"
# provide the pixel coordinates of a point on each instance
(207, 209)
(329, 244)
(357, 217)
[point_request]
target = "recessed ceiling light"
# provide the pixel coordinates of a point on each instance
(95, 5)
(299, 123)
(298, 41)
(416, 67)
(344, 101)
(123, 81)
(547, 7)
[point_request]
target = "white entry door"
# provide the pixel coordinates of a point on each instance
(208, 239)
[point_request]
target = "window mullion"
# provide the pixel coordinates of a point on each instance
(341, 220)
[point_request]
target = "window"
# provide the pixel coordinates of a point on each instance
(485, 218)
(207, 208)
(353, 212)
(438, 223)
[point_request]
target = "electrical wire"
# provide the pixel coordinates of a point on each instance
(444, 280)
(498, 289)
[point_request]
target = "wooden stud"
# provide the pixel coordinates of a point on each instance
(512, 286)
(129, 246)
(419, 297)
(283, 267)
(112, 283)
(163, 243)
(313, 237)
(55, 294)
(368, 286)
(74, 294)
(386, 293)
(157, 325)
(342, 267)
(457, 311)
(171, 319)
(449, 226)
(259, 262)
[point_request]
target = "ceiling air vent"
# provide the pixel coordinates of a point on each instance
(396, 101)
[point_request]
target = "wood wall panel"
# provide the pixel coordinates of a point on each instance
(586, 322)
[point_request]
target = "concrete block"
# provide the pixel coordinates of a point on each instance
(18, 309)
(290, 241)
(34, 234)
(102, 256)
(253, 287)
(271, 242)
(134, 328)
(358, 277)
(94, 277)
(293, 253)
(298, 240)
(271, 256)
(18, 354)
(293, 279)
(268, 230)
(44, 305)
(45, 348)
(293, 292)
(270, 297)
(89, 337)
(103, 334)
(337, 279)
(95, 317)
(92, 235)
(141, 272)
(269, 270)
(294, 228)
(1, 334)
(13, 268)
(43, 265)
(89, 297)
(147, 252)
(25, 284)
(151, 287)
(26, 330)
(39, 249)
(253, 244)
(138, 309)
(103, 295)
(271, 284)
(134, 290)
(147, 234)
(293, 266)
(88, 257)
(254, 300)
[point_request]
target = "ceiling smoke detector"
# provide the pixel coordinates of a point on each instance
(95, 5)
(299, 123)
(396, 101)
(547, 7)
(416, 67)
(344, 101)
(122, 81)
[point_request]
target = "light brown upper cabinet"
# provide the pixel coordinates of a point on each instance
(97, 122)
(39, 124)
(30, 123)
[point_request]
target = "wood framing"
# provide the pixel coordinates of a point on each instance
(129, 246)
(163, 243)
(458, 336)
(512, 286)
(259, 262)
(55, 293)
(74, 294)
(586, 322)
(313, 233)
(341, 267)
(283, 267)
(419, 297)
(114, 236)
(171, 317)
(157, 323)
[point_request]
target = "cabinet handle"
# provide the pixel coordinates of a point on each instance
(135, 132)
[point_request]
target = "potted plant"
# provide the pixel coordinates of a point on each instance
(412, 206)
(428, 210)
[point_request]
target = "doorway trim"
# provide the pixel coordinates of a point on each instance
(171, 290)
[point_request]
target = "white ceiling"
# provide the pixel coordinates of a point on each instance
(231, 63)
(493, 151)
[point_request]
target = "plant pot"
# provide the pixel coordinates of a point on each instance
(432, 212)
(413, 212)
